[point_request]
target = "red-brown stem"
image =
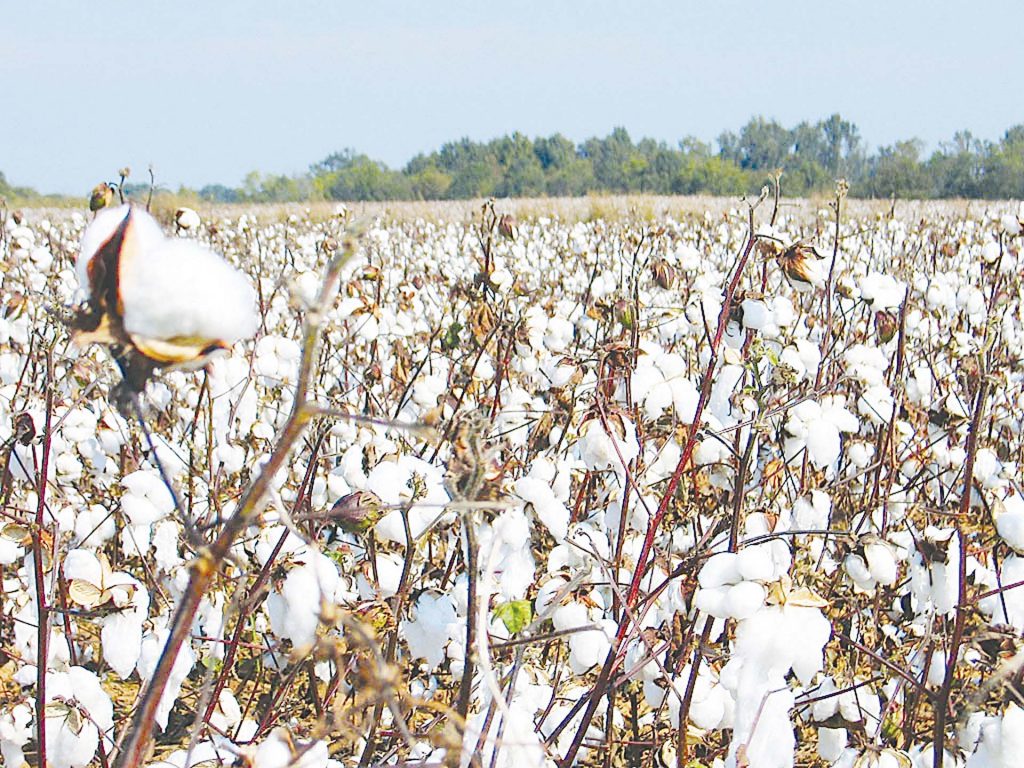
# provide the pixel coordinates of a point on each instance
(655, 524)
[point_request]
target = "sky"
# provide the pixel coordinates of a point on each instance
(205, 92)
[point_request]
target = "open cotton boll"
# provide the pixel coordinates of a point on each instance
(882, 291)
(73, 729)
(181, 289)
(831, 743)
(144, 235)
(881, 562)
(598, 450)
(428, 635)
(406, 480)
(548, 509)
(1010, 521)
(720, 569)
(280, 750)
(295, 607)
(152, 648)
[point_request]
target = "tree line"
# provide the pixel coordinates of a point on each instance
(811, 156)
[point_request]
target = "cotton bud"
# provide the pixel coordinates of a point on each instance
(507, 226)
(625, 314)
(886, 325)
(102, 196)
(664, 274)
(358, 512)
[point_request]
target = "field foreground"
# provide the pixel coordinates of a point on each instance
(524, 492)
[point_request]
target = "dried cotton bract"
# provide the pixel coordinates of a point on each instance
(162, 300)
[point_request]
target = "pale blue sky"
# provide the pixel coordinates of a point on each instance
(207, 91)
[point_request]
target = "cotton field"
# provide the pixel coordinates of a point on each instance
(736, 487)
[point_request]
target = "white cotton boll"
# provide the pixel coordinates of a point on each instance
(145, 234)
(1010, 225)
(881, 562)
(599, 451)
(67, 745)
(121, 638)
(811, 513)
(181, 289)
(295, 607)
(428, 635)
(756, 314)
(232, 457)
(722, 568)
(549, 510)
(227, 714)
(937, 669)
(1010, 521)
(823, 444)
(685, 398)
(831, 743)
(882, 291)
(857, 570)
(859, 453)
(745, 599)
(764, 729)
(825, 704)
(987, 467)
(389, 576)
(713, 601)
(280, 750)
(755, 564)
(877, 404)
(152, 648)
(187, 218)
(400, 482)
(570, 616)
(859, 704)
(588, 648)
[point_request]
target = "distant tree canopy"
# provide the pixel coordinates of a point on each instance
(811, 157)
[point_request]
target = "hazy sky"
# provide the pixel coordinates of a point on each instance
(208, 91)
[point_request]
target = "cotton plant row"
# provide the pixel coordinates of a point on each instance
(459, 563)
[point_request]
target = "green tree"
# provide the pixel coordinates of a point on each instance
(898, 172)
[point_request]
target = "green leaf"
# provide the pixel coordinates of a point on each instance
(516, 615)
(451, 337)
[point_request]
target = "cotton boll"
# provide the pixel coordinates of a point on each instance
(428, 635)
(295, 607)
(598, 450)
(857, 569)
(73, 729)
(881, 562)
(713, 602)
(744, 599)
(720, 569)
(831, 743)
(1010, 521)
(823, 444)
(280, 750)
(756, 314)
(549, 510)
(181, 289)
(152, 648)
(755, 564)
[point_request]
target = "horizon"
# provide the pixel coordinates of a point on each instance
(241, 87)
